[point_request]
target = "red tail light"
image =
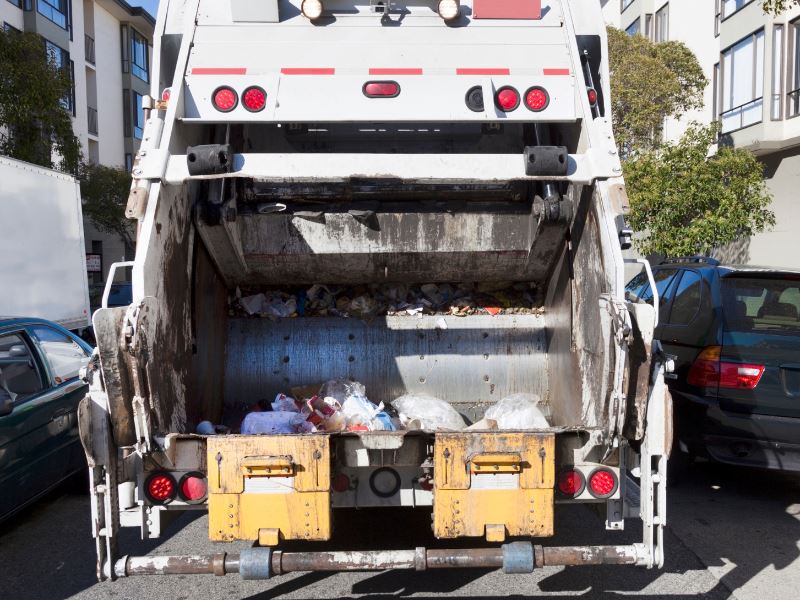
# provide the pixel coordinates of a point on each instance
(341, 483)
(193, 488)
(507, 99)
(254, 99)
(224, 99)
(537, 99)
(571, 483)
(592, 94)
(709, 371)
(381, 89)
(602, 483)
(160, 488)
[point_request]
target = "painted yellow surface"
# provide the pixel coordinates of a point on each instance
(288, 488)
(485, 483)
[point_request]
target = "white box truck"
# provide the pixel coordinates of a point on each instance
(309, 145)
(42, 252)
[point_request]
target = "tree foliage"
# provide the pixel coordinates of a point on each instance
(687, 202)
(105, 195)
(35, 126)
(776, 7)
(649, 83)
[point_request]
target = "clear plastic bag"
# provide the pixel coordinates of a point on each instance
(518, 411)
(274, 422)
(432, 413)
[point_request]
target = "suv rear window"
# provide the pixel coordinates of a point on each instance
(761, 304)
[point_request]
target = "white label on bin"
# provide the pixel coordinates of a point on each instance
(495, 481)
(269, 485)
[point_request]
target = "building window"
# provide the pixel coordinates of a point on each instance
(715, 92)
(624, 4)
(60, 59)
(662, 24)
(743, 83)
(17, 3)
(776, 110)
(731, 6)
(10, 28)
(648, 26)
(138, 115)
(633, 28)
(793, 97)
(129, 162)
(717, 16)
(55, 10)
(139, 56)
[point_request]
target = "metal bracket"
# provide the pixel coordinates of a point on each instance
(255, 563)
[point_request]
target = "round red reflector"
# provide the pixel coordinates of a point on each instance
(225, 99)
(381, 89)
(341, 483)
(160, 488)
(537, 99)
(193, 488)
(254, 99)
(507, 99)
(592, 93)
(571, 483)
(165, 95)
(602, 483)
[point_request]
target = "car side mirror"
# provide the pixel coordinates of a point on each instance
(6, 405)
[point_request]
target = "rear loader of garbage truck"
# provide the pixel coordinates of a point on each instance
(379, 266)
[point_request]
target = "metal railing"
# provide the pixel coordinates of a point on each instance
(733, 119)
(92, 119)
(89, 49)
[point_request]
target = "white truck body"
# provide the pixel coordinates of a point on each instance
(268, 161)
(43, 269)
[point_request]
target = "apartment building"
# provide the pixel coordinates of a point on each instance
(106, 46)
(752, 62)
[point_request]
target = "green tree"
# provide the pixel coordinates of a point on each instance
(776, 7)
(35, 123)
(688, 201)
(649, 83)
(105, 195)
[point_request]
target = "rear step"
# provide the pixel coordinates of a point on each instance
(263, 563)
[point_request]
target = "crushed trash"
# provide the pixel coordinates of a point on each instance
(275, 422)
(428, 411)
(375, 300)
(208, 428)
(518, 411)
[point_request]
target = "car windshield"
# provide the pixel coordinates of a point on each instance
(757, 304)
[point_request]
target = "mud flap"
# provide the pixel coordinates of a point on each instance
(493, 485)
(269, 488)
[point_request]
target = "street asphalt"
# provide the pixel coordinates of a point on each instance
(732, 534)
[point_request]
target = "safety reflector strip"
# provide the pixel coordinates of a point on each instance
(483, 71)
(219, 71)
(395, 71)
(307, 71)
(556, 71)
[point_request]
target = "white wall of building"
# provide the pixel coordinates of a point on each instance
(10, 14)
(109, 87)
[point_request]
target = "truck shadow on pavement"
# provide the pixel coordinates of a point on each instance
(733, 533)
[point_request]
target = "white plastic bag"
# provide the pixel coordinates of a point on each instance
(284, 403)
(518, 411)
(432, 413)
(273, 422)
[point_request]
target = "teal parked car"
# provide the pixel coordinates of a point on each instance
(39, 394)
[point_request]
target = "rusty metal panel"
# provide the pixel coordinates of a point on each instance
(269, 487)
(493, 484)
(475, 362)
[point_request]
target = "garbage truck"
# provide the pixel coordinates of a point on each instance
(374, 145)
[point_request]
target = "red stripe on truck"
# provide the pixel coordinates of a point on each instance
(395, 71)
(483, 71)
(556, 71)
(219, 71)
(507, 9)
(307, 71)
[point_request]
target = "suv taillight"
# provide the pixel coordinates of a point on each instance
(708, 370)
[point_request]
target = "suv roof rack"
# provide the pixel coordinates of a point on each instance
(692, 259)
